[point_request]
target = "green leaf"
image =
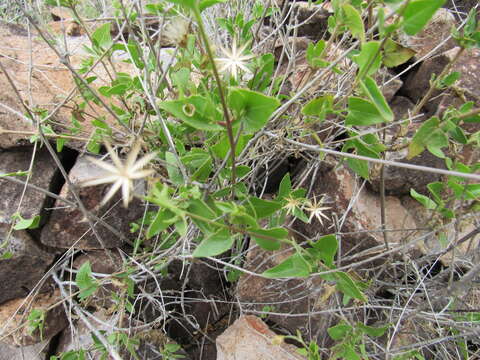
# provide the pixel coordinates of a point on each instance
(294, 266)
(285, 186)
(16, 173)
(101, 36)
(187, 3)
(252, 108)
(204, 210)
(196, 111)
(424, 200)
(173, 170)
(436, 141)
(31, 223)
(449, 80)
(340, 331)
(326, 247)
(360, 167)
(263, 208)
(373, 331)
(362, 112)
(369, 59)
(420, 139)
(314, 54)
(418, 13)
(264, 74)
(215, 244)
(370, 88)
(86, 283)
(205, 4)
(163, 219)
(395, 54)
(199, 162)
(347, 286)
(276, 234)
(353, 21)
(318, 107)
(222, 148)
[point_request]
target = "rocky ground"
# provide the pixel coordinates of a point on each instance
(191, 302)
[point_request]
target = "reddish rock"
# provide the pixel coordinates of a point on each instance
(13, 317)
(69, 228)
(26, 265)
(361, 209)
(101, 263)
(358, 211)
(47, 82)
(468, 86)
(297, 296)
(249, 338)
(44, 175)
(435, 32)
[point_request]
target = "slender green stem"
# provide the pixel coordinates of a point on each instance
(226, 114)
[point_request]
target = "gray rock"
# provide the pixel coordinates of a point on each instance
(390, 89)
(312, 19)
(399, 181)
(44, 175)
(24, 268)
(68, 227)
(32, 352)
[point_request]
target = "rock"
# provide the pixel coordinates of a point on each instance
(467, 87)
(202, 285)
(67, 27)
(312, 20)
(68, 227)
(101, 263)
(287, 296)
(205, 303)
(79, 336)
(150, 341)
(14, 314)
(153, 340)
(437, 30)
(310, 299)
(400, 106)
(44, 175)
(298, 45)
(27, 264)
(432, 245)
(363, 214)
(60, 13)
(249, 338)
(399, 181)
(463, 6)
(47, 83)
(33, 352)
(389, 90)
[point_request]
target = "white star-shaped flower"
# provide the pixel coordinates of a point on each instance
(316, 209)
(234, 59)
(121, 174)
